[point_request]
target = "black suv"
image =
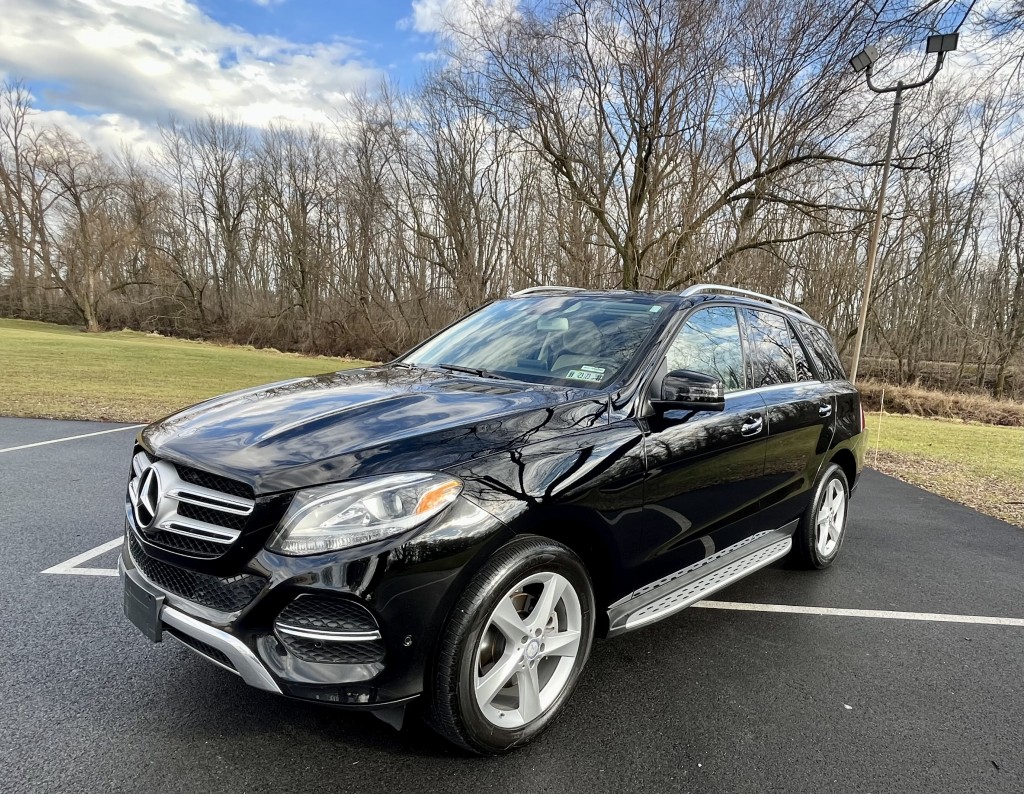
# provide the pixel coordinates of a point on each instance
(457, 526)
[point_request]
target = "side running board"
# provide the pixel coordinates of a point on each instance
(681, 589)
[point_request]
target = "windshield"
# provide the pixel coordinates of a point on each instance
(565, 340)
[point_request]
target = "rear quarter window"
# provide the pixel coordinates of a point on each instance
(804, 370)
(823, 352)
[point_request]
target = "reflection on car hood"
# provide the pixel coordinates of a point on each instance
(366, 421)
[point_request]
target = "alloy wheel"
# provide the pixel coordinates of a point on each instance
(528, 649)
(831, 518)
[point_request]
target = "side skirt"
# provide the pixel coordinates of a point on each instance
(679, 590)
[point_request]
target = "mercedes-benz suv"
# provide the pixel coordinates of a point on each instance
(455, 527)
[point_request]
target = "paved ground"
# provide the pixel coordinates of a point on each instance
(710, 700)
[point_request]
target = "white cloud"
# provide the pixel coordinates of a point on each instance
(440, 16)
(455, 25)
(108, 132)
(129, 64)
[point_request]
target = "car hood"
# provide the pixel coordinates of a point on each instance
(360, 422)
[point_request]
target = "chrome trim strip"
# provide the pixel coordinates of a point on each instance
(139, 462)
(205, 497)
(216, 534)
(773, 387)
(328, 636)
(202, 655)
(542, 287)
(246, 663)
(697, 289)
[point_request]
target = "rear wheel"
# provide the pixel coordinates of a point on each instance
(514, 648)
(821, 531)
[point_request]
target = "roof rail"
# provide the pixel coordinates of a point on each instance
(696, 289)
(541, 288)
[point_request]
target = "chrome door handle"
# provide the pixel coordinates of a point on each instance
(752, 425)
(825, 409)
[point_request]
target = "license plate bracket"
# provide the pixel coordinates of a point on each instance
(142, 608)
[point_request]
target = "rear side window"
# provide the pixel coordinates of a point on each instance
(709, 342)
(771, 348)
(803, 364)
(823, 352)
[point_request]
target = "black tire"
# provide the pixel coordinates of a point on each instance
(806, 551)
(452, 708)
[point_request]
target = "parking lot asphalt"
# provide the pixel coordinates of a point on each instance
(709, 700)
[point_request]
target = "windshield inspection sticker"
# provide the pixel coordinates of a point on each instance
(582, 374)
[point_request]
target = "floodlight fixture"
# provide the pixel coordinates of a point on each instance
(939, 44)
(863, 59)
(942, 42)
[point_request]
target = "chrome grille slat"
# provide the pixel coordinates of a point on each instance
(204, 497)
(139, 462)
(189, 527)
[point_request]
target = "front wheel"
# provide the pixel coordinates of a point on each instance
(514, 647)
(821, 531)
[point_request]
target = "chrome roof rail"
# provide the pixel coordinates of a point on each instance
(541, 288)
(697, 289)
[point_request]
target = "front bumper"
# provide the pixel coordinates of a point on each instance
(241, 660)
(409, 589)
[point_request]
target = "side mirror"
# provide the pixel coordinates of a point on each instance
(685, 390)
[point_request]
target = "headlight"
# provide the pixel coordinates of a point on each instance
(335, 517)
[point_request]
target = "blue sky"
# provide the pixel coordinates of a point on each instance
(378, 26)
(113, 70)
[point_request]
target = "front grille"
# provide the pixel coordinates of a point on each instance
(194, 547)
(214, 482)
(210, 516)
(201, 647)
(327, 614)
(185, 509)
(225, 594)
(334, 652)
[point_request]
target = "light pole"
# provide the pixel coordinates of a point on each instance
(863, 62)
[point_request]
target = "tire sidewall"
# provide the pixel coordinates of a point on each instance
(550, 558)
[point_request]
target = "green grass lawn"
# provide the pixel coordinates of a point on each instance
(60, 372)
(979, 465)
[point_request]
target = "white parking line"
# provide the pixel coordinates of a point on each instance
(861, 613)
(70, 438)
(69, 566)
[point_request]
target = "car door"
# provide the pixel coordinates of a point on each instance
(800, 414)
(705, 469)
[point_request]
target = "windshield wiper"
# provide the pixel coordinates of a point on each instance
(480, 373)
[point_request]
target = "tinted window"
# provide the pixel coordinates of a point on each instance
(709, 342)
(823, 352)
(771, 350)
(803, 366)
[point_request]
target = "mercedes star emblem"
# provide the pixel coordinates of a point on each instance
(148, 497)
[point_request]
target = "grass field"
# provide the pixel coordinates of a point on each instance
(57, 371)
(978, 465)
(60, 372)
